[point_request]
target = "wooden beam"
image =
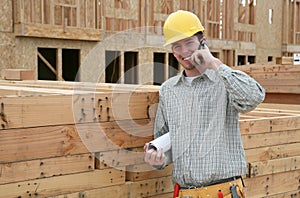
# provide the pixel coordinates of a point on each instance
(272, 152)
(252, 141)
(48, 31)
(44, 168)
(59, 72)
(28, 143)
(75, 108)
(274, 166)
(282, 98)
(17, 74)
(139, 172)
(268, 185)
(109, 192)
(63, 184)
(150, 187)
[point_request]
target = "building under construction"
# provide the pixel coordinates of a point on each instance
(54, 38)
(78, 93)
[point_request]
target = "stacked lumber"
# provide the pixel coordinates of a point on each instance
(63, 143)
(271, 139)
(281, 81)
(63, 139)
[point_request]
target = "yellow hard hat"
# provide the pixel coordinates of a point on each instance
(180, 25)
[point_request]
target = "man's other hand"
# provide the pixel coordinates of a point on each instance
(154, 157)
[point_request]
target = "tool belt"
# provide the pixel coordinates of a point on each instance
(230, 189)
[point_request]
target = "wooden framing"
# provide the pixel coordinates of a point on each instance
(55, 23)
(108, 153)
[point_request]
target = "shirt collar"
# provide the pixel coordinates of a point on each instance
(210, 74)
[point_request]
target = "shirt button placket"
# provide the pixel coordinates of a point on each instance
(189, 113)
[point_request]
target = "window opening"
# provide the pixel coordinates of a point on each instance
(159, 68)
(70, 64)
(112, 63)
(47, 64)
(130, 66)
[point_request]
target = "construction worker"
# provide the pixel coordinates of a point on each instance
(199, 108)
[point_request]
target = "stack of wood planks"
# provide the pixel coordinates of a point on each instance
(271, 139)
(281, 81)
(63, 139)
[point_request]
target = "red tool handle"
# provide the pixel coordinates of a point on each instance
(220, 194)
(176, 190)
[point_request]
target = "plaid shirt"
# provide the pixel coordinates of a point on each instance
(203, 121)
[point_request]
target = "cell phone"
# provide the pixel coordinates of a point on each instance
(202, 43)
(201, 46)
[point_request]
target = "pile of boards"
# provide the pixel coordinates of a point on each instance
(281, 81)
(67, 140)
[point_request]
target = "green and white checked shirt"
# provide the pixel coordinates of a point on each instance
(203, 121)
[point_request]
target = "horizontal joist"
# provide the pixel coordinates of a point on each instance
(272, 152)
(120, 158)
(109, 192)
(271, 113)
(43, 168)
(140, 172)
(63, 184)
(59, 32)
(289, 194)
(29, 143)
(283, 98)
(272, 184)
(151, 188)
(253, 69)
(274, 166)
(271, 139)
(272, 124)
(279, 81)
(274, 76)
(42, 110)
(279, 88)
(83, 86)
(280, 107)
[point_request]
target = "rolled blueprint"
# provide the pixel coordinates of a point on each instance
(163, 142)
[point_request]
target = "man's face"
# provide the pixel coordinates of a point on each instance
(183, 49)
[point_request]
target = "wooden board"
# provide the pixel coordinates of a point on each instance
(63, 184)
(290, 194)
(283, 79)
(272, 152)
(17, 74)
(274, 166)
(45, 110)
(109, 192)
(116, 138)
(269, 124)
(272, 184)
(271, 139)
(143, 171)
(29, 143)
(87, 86)
(150, 187)
(120, 158)
(43, 168)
